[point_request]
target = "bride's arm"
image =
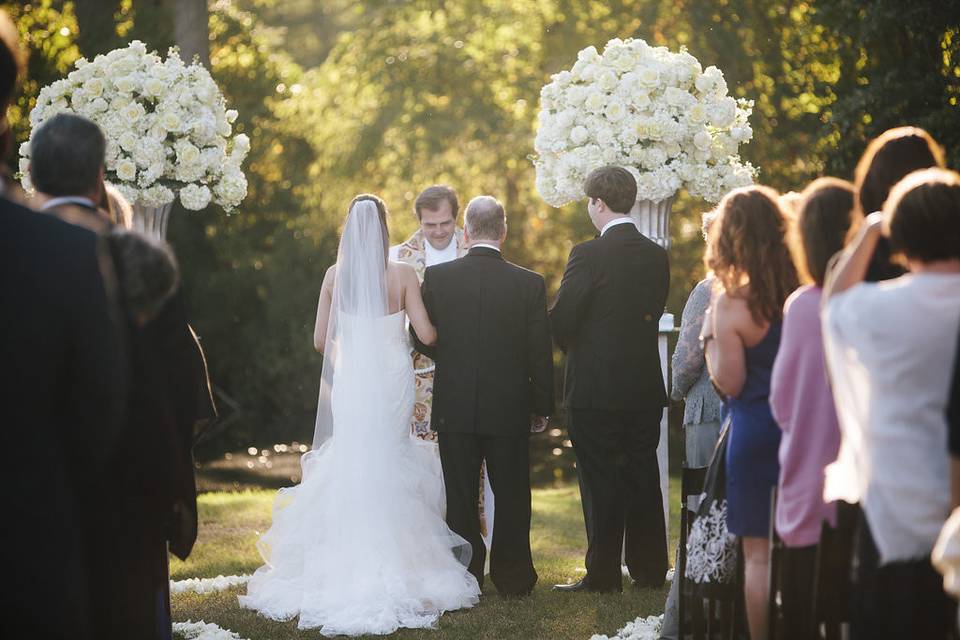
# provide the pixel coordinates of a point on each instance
(416, 310)
(323, 311)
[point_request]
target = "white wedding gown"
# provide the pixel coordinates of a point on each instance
(360, 546)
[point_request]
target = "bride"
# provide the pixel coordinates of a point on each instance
(360, 546)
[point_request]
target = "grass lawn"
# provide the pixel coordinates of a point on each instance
(230, 524)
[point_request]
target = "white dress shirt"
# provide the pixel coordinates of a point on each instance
(56, 202)
(485, 246)
(615, 222)
(439, 256)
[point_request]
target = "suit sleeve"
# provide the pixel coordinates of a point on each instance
(426, 291)
(540, 352)
(573, 299)
(100, 355)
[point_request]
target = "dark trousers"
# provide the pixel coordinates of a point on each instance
(898, 599)
(508, 468)
(620, 491)
(797, 575)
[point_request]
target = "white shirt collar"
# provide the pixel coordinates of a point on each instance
(56, 202)
(615, 222)
(438, 256)
(486, 246)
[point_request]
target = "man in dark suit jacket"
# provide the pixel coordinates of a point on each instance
(606, 318)
(493, 387)
(63, 391)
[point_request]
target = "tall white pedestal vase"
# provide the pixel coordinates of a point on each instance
(152, 220)
(653, 220)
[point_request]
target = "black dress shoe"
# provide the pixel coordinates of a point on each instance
(583, 585)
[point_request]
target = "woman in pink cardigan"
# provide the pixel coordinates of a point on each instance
(801, 400)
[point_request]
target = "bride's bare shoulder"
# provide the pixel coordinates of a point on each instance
(402, 269)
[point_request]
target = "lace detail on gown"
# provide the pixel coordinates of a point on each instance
(360, 546)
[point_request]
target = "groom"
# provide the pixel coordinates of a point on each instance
(605, 318)
(493, 387)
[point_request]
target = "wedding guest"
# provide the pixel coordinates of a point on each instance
(67, 167)
(62, 389)
(747, 251)
(802, 403)
(148, 466)
(690, 382)
(889, 348)
(888, 158)
(605, 318)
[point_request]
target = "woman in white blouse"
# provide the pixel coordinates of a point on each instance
(889, 348)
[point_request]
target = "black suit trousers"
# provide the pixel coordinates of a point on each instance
(620, 489)
(508, 468)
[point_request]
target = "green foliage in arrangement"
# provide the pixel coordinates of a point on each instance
(388, 97)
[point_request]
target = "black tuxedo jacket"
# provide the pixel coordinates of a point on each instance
(606, 318)
(493, 355)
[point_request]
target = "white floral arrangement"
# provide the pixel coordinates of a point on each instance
(640, 629)
(657, 113)
(166, 124)
(208, 585)
(203, 631)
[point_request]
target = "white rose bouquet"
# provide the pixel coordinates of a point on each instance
(655, 112)
(167, 127)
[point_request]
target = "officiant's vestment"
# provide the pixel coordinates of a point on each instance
(606, 318)
(494, 371)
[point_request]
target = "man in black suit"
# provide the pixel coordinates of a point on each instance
(62, 391)
(605, 318)
(493, 387)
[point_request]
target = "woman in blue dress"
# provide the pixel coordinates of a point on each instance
(754, 273)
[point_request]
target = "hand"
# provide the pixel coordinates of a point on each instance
(538, 424)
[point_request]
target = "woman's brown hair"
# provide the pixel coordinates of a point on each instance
(748, 245)
(382, 210)
(888, 158)
(826, 215)
(922, 216)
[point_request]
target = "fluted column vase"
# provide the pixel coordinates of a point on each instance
(152, 220)
(653, 220)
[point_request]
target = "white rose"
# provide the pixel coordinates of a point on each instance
(704, 84)
(702, 140)
(648, 77)
(231, 189)
(171, 121)
(186, 152)
(615, 111)
(588, 55)
(697, 114)
(133, 112)
(94, 87)
(154, 87)
(231, 115)
(579, 135)
(594, 102)
(741, 133)
(128, 141)
(607, 80)
(604, 136)
(156, 196)
(99, 105)
(127, 170)
(24, 166)
(195, 197)
(724, 112)
(241, 145)
(25, 149)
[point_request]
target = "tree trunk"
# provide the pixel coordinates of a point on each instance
(191, 29)
(98, 32)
